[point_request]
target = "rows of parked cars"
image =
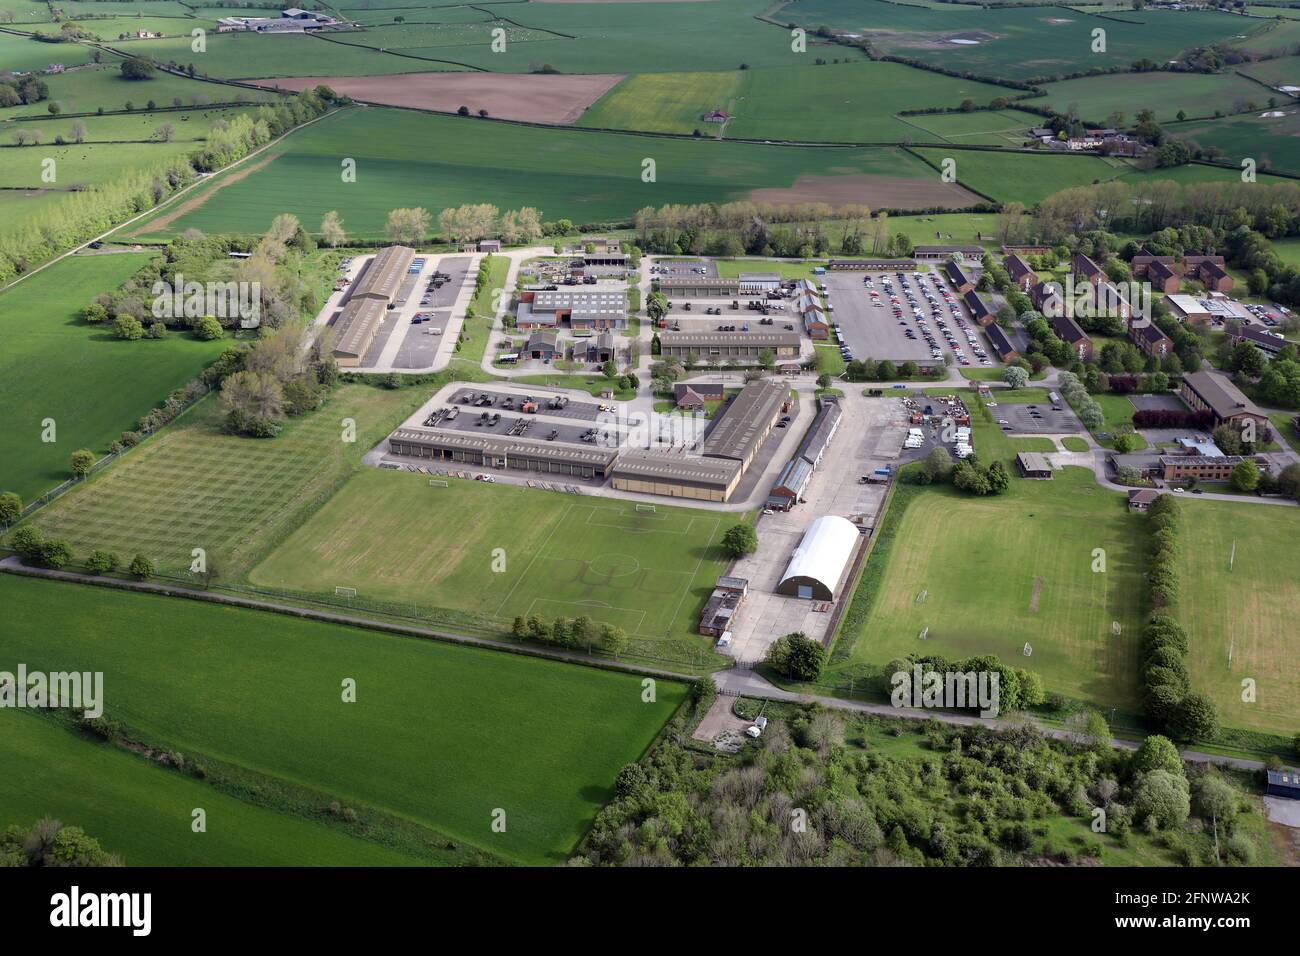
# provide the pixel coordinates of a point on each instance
(944, 311)
(1270, 316)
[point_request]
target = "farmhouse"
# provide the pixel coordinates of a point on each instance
(716, 116)
(676, 475)
(1020, 273)
(727, 346)
(1001, 343)
(957, 276)
(978, 309)
(1215, 394)
(721, 607)
(820, 564)
(496, 451)
(932, 253)
(1072, 334)
(579, 309)
(699, 288)
(1032, 464)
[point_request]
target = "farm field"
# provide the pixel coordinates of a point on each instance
(1094, 98)
(648, 573)
(16, 204)
(81, 164)
(1248, 609)
(1279, 37)
(22, 53)
(980, 128)
(434, 735)
(1027, 177)
(47, 349)
(1272, 142)
(849, 102)
(25, 11)
(440, 161)
(190, 126)
(122, 29)
(141, 811)
(90, 88)
(1019, 43)
(1002, 572)
(1282, 71)
(192, 486)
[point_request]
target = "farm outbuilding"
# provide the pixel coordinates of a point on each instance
(821, 562)
(1284, 783)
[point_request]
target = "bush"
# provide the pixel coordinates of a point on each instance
(797, 656)
(101, 562)
(141, 567)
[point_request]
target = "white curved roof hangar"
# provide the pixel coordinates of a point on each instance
(818, 564)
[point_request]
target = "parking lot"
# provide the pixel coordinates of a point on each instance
(686, 268)
(504, 424)
(885, 316)
(1041, 418)
(578, 411)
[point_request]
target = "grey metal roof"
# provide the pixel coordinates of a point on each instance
(384, 274)
(821, 431)
(704, 339)
(744, 423)
(669, 466)
(357, 324)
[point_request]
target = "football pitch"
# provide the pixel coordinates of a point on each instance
(498, 551)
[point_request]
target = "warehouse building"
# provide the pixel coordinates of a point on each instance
(740, 429)
(716, 347)
(598, 311)
(383, 276)
(699, 288)
(821, 563)
(676, 475)
(813, 447)
(371, 297)
(520, 454)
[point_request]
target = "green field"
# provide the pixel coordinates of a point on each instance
(1282, 71)
(92, 385)
(1022, 43)
(92, 87)
(141, 811)
(1027, 177)
(1273, 141)
(405, 158)
(189, 126)
(193, 486)
(80, 165)
(849, 102)
(648, 573)
(22, 53)
(1198, 95)
(440, 734)
(1248, 610)
(979, 128)
(1005, 571)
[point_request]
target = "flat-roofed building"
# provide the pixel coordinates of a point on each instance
(355, 329)
(1200, 467)
(676, 475)
(740, 429)
(872, 265)
(502, 452)
(720, 610)
(722, 346)
(1032, 464)
(1203, 391)
(760, 281)
(930, 253)
(698, 287)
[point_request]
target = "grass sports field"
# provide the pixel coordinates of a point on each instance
(441, 734)
(141, 811)
(195, 487)
(1247, 610)
(564, 556)
(997, 573)
(1197, 95)
(1018, 43)
(408, 159)
(93, 385)
(847, 103)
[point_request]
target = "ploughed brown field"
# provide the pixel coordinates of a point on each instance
(539, 98)
(883, 192)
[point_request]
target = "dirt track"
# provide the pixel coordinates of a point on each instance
(879, 192)
(540, 98)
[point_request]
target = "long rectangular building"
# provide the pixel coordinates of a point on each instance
(383, 276)
(699, 288)
(676, 475)
(522, 454)
(714, 346)
(739, 431)
(355, 330)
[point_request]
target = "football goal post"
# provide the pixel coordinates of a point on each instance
(649, 508)
(346, 592)
(438, 483)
